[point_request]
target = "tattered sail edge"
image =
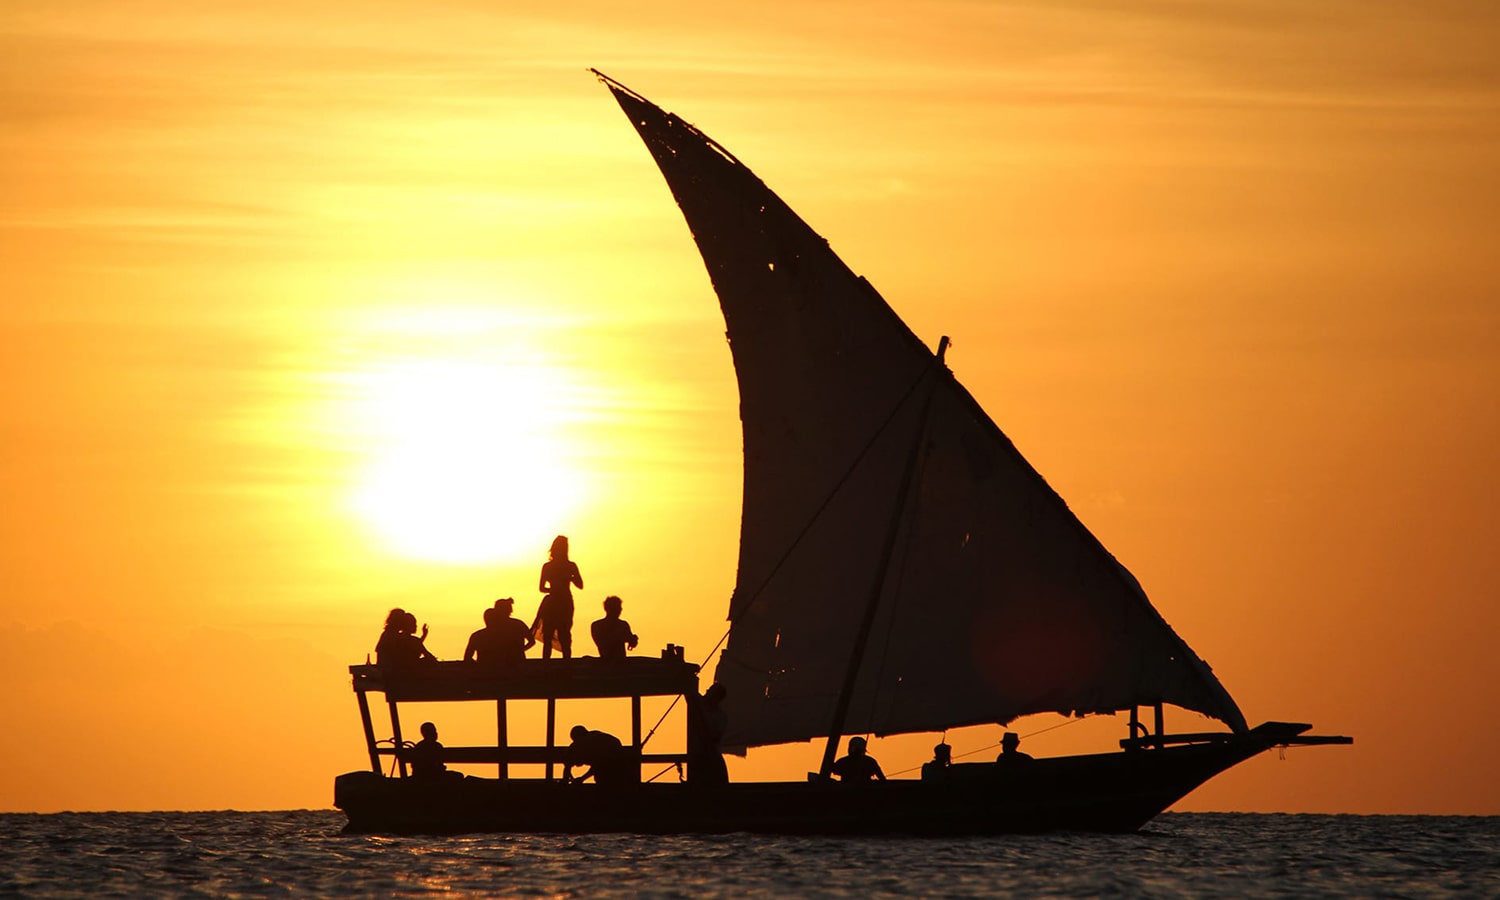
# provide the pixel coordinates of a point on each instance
(1227, 710)
(672, 118)
(1235, 719)
(622, 92)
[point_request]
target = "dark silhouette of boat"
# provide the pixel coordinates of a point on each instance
(902, 569)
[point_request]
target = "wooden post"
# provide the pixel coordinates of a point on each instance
(551, 727)
(635, 722)
(502, 738)
(396, 734)
(364, 718)
(1135, 722)
(635, 732)
(1161, 728)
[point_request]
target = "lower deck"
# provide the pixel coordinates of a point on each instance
(550, 680)
(1110, 792)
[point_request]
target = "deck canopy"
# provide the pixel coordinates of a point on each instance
(532, 679)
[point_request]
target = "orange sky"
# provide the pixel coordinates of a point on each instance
(281, 279)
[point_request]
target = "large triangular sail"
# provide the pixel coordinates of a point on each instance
(997, 602)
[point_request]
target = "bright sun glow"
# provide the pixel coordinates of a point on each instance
(468, 461)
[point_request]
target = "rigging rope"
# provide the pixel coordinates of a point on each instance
(885, 650)
(838, 486)
(997, 743)
(663, 771)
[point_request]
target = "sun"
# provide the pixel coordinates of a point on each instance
(468, 461)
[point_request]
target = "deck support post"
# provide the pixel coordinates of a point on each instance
(502, 738)
(635, 730)
(1161, 727)
(396, 735)
(364, 719)
(551, 729)
(1135, 721)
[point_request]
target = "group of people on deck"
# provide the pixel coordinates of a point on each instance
(504, 639)
(859, 767)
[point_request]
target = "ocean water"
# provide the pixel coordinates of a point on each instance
(303, 854)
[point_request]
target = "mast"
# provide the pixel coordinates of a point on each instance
(862, 638)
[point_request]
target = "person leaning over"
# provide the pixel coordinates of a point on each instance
(604, 755)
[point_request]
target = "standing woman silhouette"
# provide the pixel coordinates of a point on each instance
(554, 619)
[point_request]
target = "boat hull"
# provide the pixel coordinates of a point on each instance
(1114, 792)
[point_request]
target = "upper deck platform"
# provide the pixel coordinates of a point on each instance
(531, 679)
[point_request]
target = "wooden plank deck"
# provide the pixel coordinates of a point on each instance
(531, 679)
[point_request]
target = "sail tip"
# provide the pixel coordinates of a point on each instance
(613, 84)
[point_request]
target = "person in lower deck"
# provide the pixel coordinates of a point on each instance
(937, 768)
(612, 634)
(1009, 754)
(426, 755)
(605, 756)
(858, 767)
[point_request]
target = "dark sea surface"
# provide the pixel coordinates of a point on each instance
(302, 853)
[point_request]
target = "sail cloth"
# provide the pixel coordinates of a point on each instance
(997, 602)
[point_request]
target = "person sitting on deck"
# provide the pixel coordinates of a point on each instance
(612, 634)
(937, 768)
(604, 755)
(504, 639)
(426, 756)
(858, 767)
(399, 647)
(1009, 755)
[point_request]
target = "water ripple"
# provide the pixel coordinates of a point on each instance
(302, 853)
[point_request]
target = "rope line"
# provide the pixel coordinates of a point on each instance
(661, 773)
(997, 743)
(838, 486)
